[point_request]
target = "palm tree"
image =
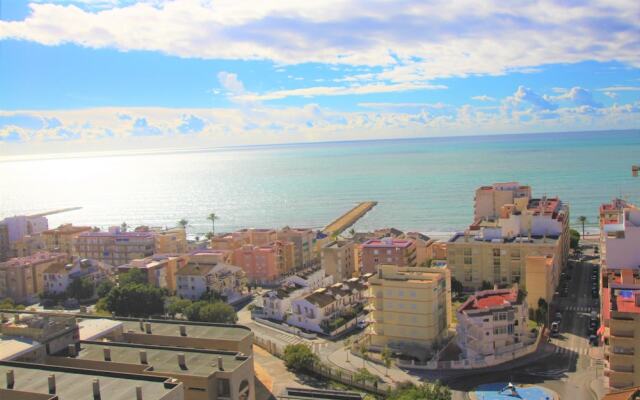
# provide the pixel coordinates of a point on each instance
(124, 227)
(183, 223)
(583, 220)
(352, 232)
(213, 217)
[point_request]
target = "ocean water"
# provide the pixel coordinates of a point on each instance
(420, 184)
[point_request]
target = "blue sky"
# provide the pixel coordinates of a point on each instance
(96, 75)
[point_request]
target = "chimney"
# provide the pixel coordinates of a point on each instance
(138, 392)
(107, 354)
(71, 350)
(181, 361)
(220, 366)
(183, 330)
(10, 379)
(52, 384)
(141, 326)
(143, 357)
(147, 327)
(96, 389)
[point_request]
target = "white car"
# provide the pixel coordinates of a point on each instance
(362, 324)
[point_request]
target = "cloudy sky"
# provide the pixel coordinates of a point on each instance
(100, 75)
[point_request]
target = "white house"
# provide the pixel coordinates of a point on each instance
(312, 278)
(317, 310)
(202, 275)
(57, 277)
(492, 323)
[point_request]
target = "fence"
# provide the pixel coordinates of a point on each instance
(334, 373)
(282, 327)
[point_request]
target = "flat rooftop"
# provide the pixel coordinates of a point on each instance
(94, 328)
(12, 347)
(204, 331)
(534, 239)
(76, 384)
(388, 242)
(198, 362)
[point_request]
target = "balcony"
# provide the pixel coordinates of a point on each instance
(621, 368)
(622, 334)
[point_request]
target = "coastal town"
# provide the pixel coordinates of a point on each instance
(522, 294)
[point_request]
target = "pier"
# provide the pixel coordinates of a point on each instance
(349, 218)
(61, 210)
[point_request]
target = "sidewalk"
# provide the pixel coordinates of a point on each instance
(339, 359)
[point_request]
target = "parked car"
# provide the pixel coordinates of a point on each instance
(362, 324)
(555, 328)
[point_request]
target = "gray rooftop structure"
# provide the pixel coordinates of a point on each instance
(34, 380)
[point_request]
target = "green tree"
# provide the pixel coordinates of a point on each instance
(352, 232)
(456, 286)
(132, 277)
(124, 226)
(426, 391)
(209, 235)
(543, 307)
(175, 305)
(218, 312)
(574, 239)
(386, 359)
(212, 296)
(7, 304)
(364, 375)
(80, 289)
(486, 285)
(104, 288)
(583, 220)
(213, 217)
(192, 311)
(135, 300)
(183, 223)
(299, 357)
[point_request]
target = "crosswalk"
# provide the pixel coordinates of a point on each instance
(571, 350)
(579, 309)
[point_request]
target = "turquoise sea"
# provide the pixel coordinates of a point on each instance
(421, 184)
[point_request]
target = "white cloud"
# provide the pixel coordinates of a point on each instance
(612, 95)
(620, 89)
(436, 106)
(415, 41)
(484, 97)
(230, 82)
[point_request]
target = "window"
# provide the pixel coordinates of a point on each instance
(224, 388)
(496, 252)
(467, 260)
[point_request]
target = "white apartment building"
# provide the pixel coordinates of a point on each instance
(58, 277)
(619, 235)
(202, 275)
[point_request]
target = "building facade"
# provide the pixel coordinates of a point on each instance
(203, 274)
(338, 259)
(387, 250)
(62, 238)
(492, 323)
(22, 278)
(265, 264)
(57, 277)
(411, 308)
(160, 269)
(619, 235)
(115, 247)
(304, 244)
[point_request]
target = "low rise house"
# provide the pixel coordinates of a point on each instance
(160, 269)
(58, 277)
(203, 274)
(493, 323)
(22, 278)
(326, 309)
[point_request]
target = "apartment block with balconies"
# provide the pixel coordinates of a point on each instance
(62, 238)
(622, 336)
(115, 247)
(387, 250)
(338, 259)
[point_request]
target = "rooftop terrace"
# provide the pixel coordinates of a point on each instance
(194, 330)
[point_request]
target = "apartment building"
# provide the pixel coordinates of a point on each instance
(424, 246)
(205, 374)
(160, 269)
(411, 308)
(115, 247)
(265, 264)
(490, 199)
(387, 250)
(57, 277)
(203, 274)
(27, 245)
(20, 226)
(62, 238)
(22, 278)
(619, 235)
(167, 241)
(54, 332)
(338, 259)
(492, 323)
(260, 236)
(303, 240)
(622, 330)
(315, 311)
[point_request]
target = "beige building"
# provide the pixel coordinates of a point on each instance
(205, 374)
(54, 332)
(62, 238)
(170, 241)
(387, 250)
(160, 269)
(338, 259)
(22, 278)
(490, 199)
(5, 245)
(115, 247)
(424, 247)
(411, 308)
(304, 244)
(204, 274)
(27, 245)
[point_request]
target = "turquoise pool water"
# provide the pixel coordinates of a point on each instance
(492, 392)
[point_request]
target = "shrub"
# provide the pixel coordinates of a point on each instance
(299, 357)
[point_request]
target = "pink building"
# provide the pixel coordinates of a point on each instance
(400, 252)
(259, 263)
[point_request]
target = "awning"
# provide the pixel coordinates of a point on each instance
(601, 330)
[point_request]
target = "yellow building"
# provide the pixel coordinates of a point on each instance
(474, 260)
(170, 241)
(27, 245)
(22, 278)
(337, 259)
(62, 238)
(159, 269)
(411, 308)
